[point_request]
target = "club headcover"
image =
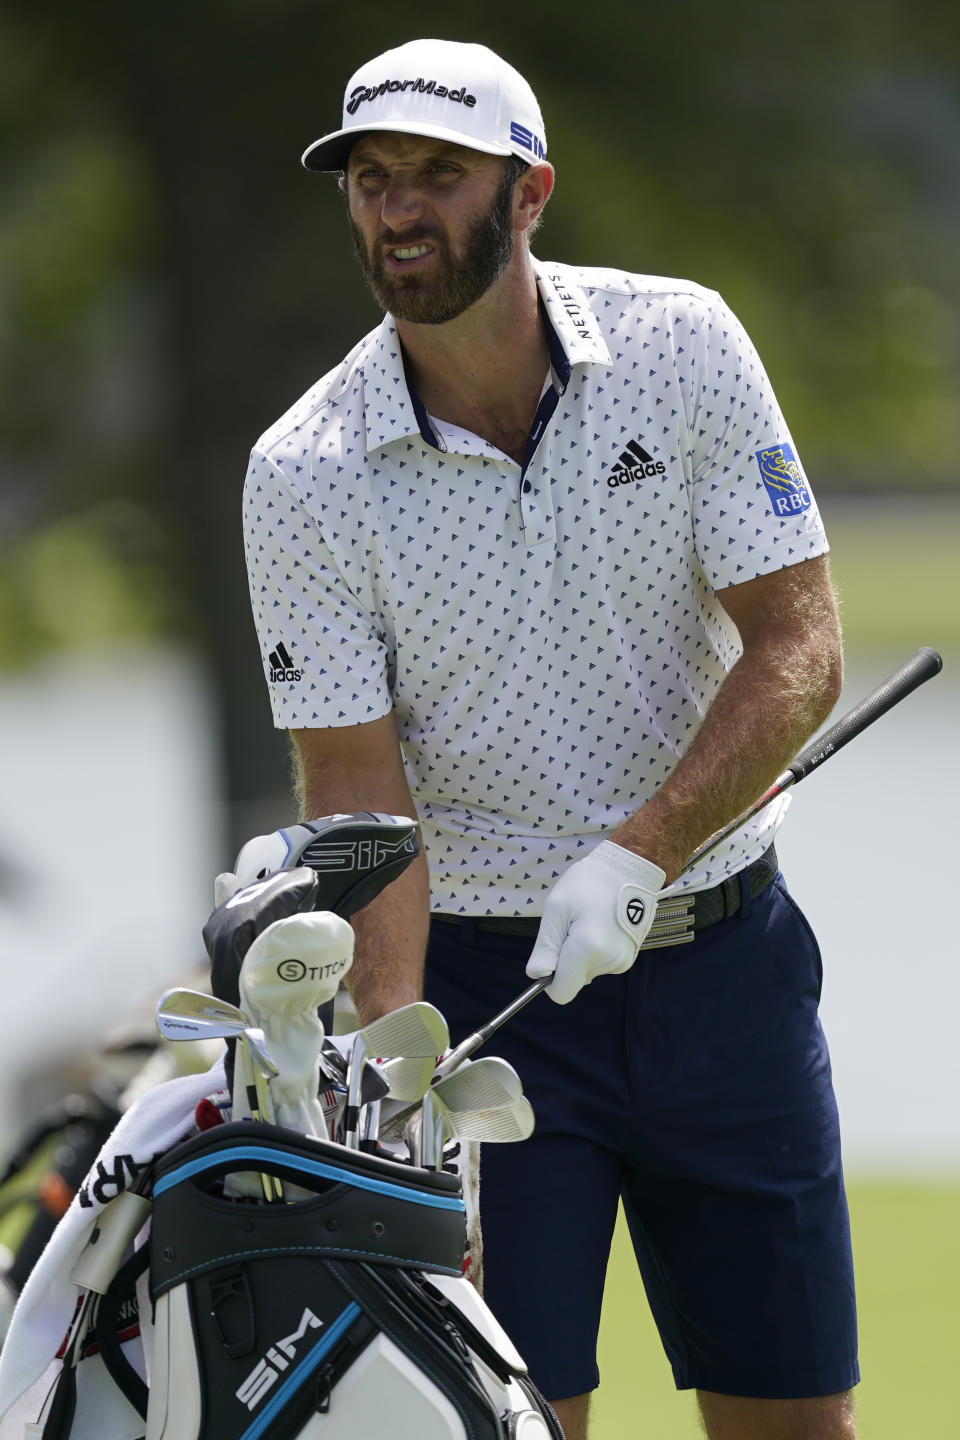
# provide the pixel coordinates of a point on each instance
(234, 925)
(354, 856)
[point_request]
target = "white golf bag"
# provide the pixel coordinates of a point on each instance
(342, 1316)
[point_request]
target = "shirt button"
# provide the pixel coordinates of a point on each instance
(527, 486)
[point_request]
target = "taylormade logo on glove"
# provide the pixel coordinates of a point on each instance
(595, 919)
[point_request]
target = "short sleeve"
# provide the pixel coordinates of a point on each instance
(323, 652)
(753, 509)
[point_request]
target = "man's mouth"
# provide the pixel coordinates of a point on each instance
(404, 255)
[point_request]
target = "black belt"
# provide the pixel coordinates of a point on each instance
(678, 917)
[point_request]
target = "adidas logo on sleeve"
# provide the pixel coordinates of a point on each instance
(282, 666)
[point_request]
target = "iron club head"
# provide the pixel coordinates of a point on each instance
(191, 1015)
(482, 1085)
(408, 1076)
(417, 1030)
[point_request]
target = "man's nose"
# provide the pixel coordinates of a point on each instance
(401, 202)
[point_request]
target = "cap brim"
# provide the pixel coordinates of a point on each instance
(332, 151)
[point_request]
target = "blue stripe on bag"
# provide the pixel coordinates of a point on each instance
(257, 1153)
(297, 1376)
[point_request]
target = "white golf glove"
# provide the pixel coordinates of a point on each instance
(595, 919)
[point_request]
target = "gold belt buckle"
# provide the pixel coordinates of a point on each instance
(672, 924)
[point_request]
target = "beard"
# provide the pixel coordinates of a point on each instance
(454, 284)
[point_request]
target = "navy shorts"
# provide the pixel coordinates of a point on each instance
(697, 1088)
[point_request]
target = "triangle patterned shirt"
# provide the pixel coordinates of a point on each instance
(548, 635)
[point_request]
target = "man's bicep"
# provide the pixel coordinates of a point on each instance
(798, 598)
(351, 767)
(325, 654)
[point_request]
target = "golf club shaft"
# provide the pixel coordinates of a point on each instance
(370, 1127)
(351, 1114)
(434, 1129)
(251, 1084)
(473, 1042)
(918, 669)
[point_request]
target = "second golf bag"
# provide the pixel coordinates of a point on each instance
(341, 1315)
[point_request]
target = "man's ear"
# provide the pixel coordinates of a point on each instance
(535, 188)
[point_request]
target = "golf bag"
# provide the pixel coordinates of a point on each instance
(340, 1316)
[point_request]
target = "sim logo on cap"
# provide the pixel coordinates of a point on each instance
(520, 135)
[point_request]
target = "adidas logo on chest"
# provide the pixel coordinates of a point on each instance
(634, 464)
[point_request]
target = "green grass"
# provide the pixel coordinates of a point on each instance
(906, 1239)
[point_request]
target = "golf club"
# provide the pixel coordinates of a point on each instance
(408, 1077)
(485, 1085)
(922, 666)
(500, 1125)
(440, 1122)
(332, 1063)
(435, 1130)
(191, 1015)
(417, 1030)
(251, 1099)
(374, 1087)
(262, 1069)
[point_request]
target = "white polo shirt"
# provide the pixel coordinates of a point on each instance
(547, 635)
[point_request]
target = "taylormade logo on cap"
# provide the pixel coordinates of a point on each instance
(461, 93)
(425, 87)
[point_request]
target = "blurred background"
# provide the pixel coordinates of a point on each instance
(171, 280)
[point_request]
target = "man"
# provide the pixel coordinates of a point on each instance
(546, 527)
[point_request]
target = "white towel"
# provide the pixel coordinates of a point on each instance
(156, 1122)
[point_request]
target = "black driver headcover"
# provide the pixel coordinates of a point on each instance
(234, 925)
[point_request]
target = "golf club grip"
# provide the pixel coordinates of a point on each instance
(918, 669)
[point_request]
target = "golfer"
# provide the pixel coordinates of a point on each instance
(538, 563)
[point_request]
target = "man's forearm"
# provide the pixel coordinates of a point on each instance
(391, 932)
(783, 686)
(391, 945)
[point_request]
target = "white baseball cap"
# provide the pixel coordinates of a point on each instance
(442, 88)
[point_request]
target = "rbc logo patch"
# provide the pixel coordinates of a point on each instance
(784, 480)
